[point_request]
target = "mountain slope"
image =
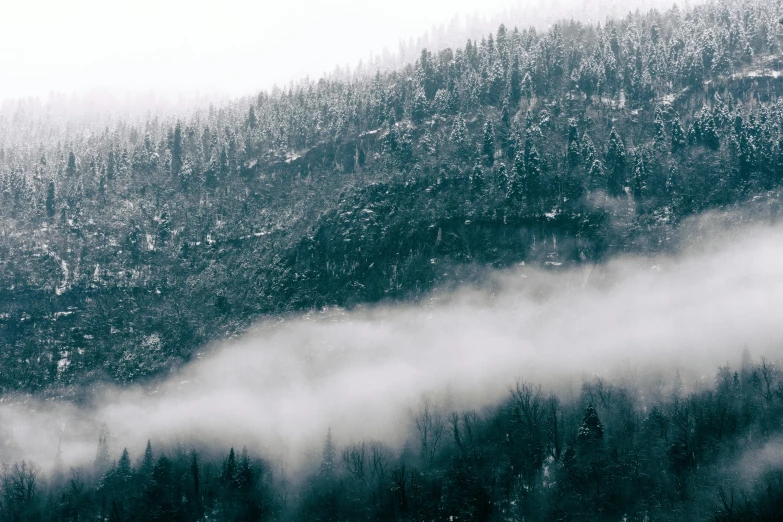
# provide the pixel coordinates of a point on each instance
(126, 249)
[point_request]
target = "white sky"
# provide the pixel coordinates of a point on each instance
(229, 46)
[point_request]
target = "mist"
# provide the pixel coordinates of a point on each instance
(146, 55)
(362, 372)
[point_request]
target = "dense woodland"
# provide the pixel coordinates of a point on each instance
(126, 247)
(710, 451)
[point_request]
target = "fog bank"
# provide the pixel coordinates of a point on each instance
(279, 388)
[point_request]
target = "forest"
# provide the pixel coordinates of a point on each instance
(608, 451)
(128, 245)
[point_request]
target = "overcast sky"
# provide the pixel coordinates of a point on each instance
(228, 46)
(183, 45)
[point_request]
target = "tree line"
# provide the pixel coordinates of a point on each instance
(609, 452)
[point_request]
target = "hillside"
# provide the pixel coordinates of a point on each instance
(124, 250)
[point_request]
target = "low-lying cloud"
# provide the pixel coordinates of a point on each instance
(279, 388)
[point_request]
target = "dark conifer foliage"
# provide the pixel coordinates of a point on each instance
(608, 452)
(124, 248)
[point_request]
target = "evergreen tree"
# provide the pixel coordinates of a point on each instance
(588, 151)
(477, 181)
(591, 431)
(488, 144)
(459, 137)
(678, 136)
(515, 81)
(639, 177)
(252, 120)
(615, 164)
(147, 461)
(527, 86)
(502, 178)
(597, 176)
(516, 189)
(659, 130)
(124, 472)
(574, 153)
(176, 150)
(160, 495)
(533, 177)
(50, 210)
(70, 168)
(709, 133)
(111, 166)
(419, 106)
(328, 458)
(229, 470)
(164, 225)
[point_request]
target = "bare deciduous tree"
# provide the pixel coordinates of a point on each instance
(430, 427)
(19, 483)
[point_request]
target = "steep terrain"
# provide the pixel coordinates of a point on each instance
(125, 249)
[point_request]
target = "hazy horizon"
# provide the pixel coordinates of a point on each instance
(100, 55)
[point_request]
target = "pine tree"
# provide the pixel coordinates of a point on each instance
(122, 473)
(252, 120)
(639, 178)
(329, 457)
(70, 168)
(659, 129)
(588, 151)
(574, 154)
(515, 80)
(678, 136)
(671, 181)
(709, 134)
(527, 86)
(747, 53)
(591, 431)
(160, 499)
(596, 176)
(111, 166)
(678, 387)
(164, 225)
(615, 164)
(147, 461)
(516, 189)
(533, 176)
(477, 181)
(488, 144)
(176, 150)
(589, 78)
(459, 137)
(419, 106)
(50, 210)
(502, 178)
(229, 470)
